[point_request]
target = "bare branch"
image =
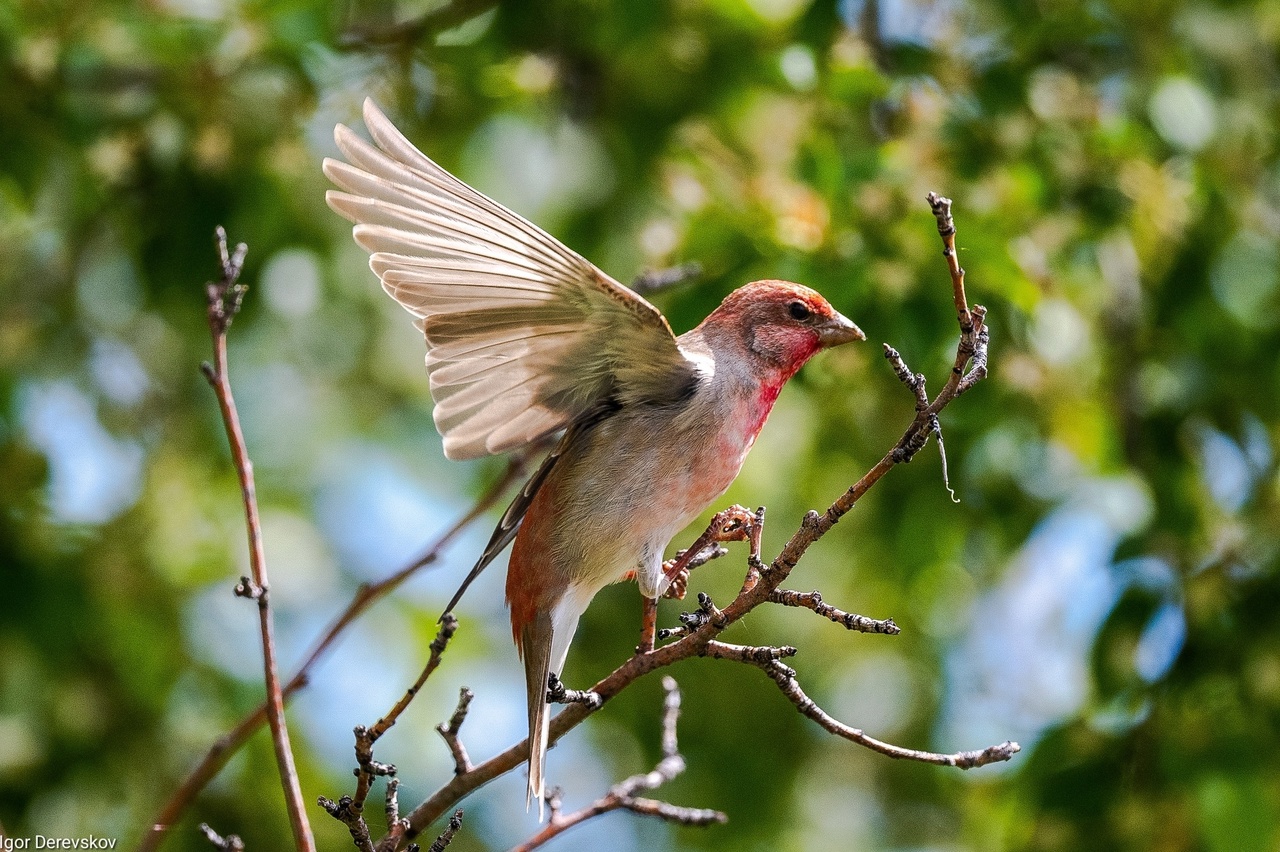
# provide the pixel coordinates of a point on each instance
(558, 693)
(396, 827)
(393, 802)
(230, 843)
(622, 796)
(449, 731)
(446, 837)
(755, 654)
(971, 351)
(448, 626)
(660, 279)
(699, 635)
(706, 612)
(813, 600)
(785, 678)
(914, 381)
(350, 813)
(973, 332)
(225, 298)
(700, 558)
(349, 810)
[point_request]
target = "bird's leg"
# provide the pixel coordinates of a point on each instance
(648, 624)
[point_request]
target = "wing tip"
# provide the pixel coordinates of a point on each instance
(372, 113)
(456, 449)
(348, 141)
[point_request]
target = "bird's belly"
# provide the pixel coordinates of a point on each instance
(637, 487)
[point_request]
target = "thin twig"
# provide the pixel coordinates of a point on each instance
(349, 810)
(941, 207)
(224, 302)
(622, 796)
(396, 827)
(448, 626)
(756, 654)
(706, 612)
(852, 621)
(367, 595)
(449, 731)
(446, 836)
(558, 693)
(350, 813)
(660, 279)
(971, 351)
(785, 678)
(230, 843)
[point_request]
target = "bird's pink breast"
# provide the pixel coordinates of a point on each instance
(736, 436)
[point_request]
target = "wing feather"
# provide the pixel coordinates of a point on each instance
(524, 336)
(440, 191)
(518, 340)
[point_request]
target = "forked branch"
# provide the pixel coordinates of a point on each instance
(623, 796)
(349, 810)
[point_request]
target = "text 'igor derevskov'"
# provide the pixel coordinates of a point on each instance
(43, 841)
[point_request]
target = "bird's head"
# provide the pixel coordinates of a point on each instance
(780, 323)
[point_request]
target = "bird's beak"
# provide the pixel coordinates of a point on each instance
(837, 330)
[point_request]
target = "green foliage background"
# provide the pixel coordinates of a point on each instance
(1106, 589)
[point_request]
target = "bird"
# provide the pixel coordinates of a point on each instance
(527, 340)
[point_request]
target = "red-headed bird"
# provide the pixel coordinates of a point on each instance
(526, 338)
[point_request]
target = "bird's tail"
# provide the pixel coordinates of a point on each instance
(535, 648)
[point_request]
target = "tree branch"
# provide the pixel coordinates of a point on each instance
(230, 843)
(851, 621)
(446, 836)
(785, 678)
(449, 731)
(224, 299)
(698, 637)
(622, 796)
(349, 810)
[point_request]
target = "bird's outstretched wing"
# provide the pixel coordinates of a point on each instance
(524, 336)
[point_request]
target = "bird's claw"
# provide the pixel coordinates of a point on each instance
(679, 585)
(736, 523)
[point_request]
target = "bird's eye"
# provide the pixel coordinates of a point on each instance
(799, 311)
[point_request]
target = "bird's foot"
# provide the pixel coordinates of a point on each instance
(679, 586)
(736, 523)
